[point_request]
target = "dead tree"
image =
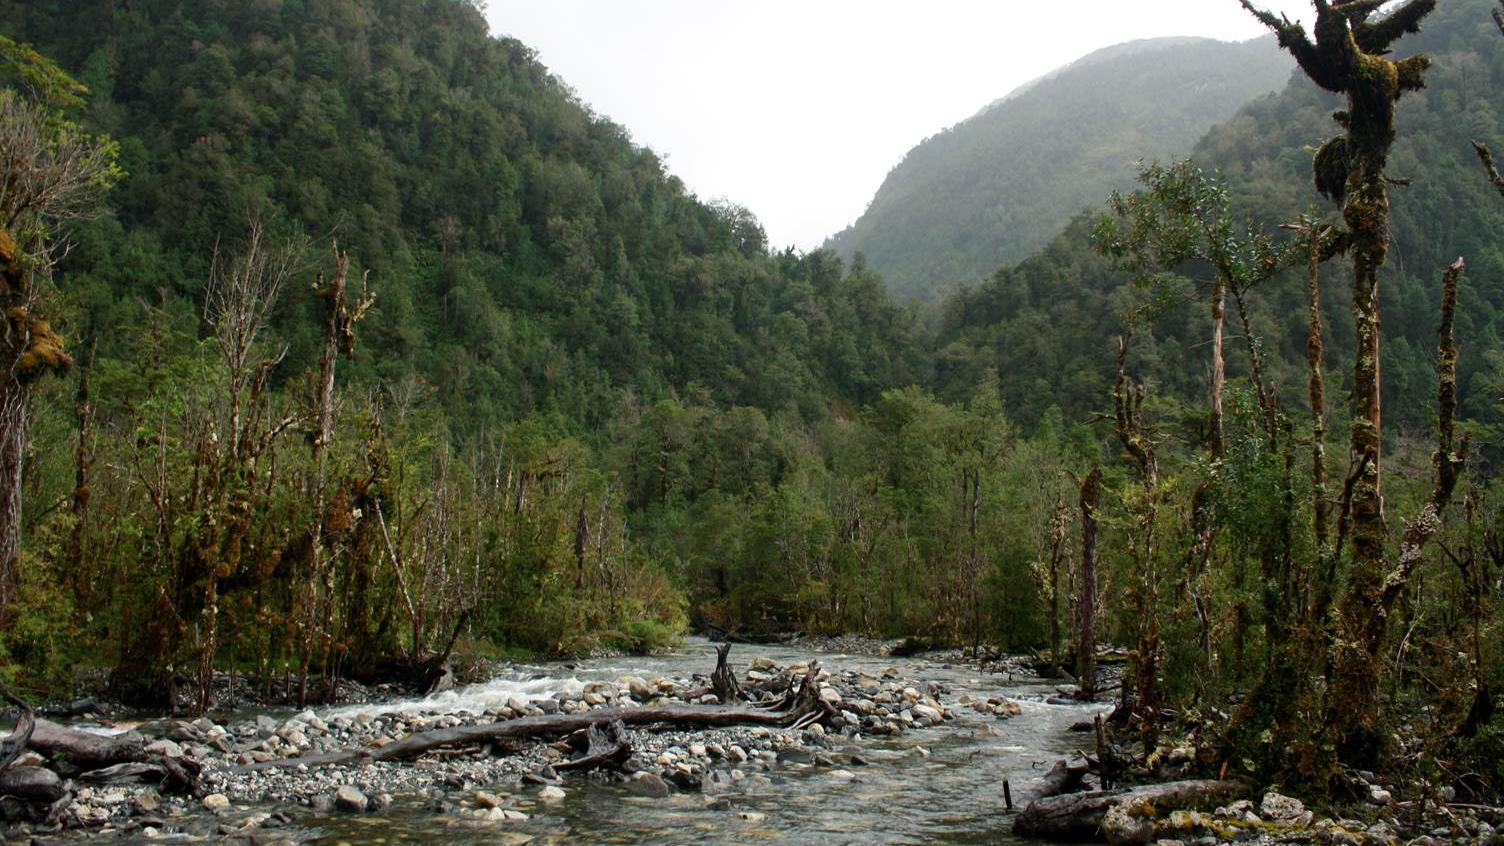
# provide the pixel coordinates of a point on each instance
(1086, 606)
(339, 339)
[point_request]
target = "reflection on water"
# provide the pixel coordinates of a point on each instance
(941, 785)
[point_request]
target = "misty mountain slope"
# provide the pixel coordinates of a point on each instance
(997, 186)
(1047, 324)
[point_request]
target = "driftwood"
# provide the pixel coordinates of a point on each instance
(605, 745)
(133, 773)
(85, 748)
(105, 759)
(1075, 817)
(32, 784)
(1064, 777)
(804, 707)
(722, 679)
(13, 745)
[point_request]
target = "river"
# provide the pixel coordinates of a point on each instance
(937, 785)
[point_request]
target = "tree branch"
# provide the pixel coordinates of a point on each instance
(1447, 460)
(1487, 158)
(1292, 37)
(1377, 37)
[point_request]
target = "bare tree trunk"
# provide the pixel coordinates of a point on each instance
(14, 398)
(1219, 367)
(1086, 608)
(1057, 554)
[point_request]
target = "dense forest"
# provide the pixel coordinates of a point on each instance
(996, 187)
(361, 341)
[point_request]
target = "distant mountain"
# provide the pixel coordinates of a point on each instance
(1047, 324)
(996, 187)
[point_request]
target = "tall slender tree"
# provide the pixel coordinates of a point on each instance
(1349, 55)
(51, 173)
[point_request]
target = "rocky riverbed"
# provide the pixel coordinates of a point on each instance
(916, 751)
(489, 786)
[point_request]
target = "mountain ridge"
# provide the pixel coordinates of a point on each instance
(996, 186)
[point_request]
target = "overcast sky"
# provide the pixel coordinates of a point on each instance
(797, 109)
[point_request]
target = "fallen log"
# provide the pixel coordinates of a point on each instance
(32, 784)
(549, 725)
(132, 773)
(1064, 777)
(1074, 817)
(806, 707)
(26, 724)
(86, 748)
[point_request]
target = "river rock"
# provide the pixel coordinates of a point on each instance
(928, 715)
(551, 795)
(164, 747)
(487, 800)
(649, 784)
(216, 802)
(90, 815)
(349, 798)
(639, 688)
(1281, 808)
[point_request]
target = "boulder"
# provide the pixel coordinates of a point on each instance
(1281, 808)
(649, 784)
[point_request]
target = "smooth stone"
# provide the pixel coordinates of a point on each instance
(216, 802)
(349, 798)
(649, 784)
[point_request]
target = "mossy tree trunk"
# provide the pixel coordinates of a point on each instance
(1348, 56)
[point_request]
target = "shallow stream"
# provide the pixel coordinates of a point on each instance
(937, 785)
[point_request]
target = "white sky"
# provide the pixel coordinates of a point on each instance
(797, 109)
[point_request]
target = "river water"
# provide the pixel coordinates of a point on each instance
(937, 785)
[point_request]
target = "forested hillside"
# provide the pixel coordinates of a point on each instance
(1050, 319)
(530, 258)
(556, 349)
(998, 186)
